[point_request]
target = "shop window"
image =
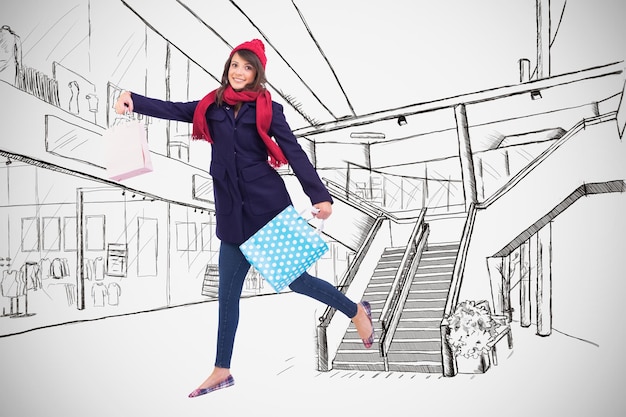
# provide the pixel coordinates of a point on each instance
(30, 234)
(186, 237)
(147, 246)
(202, 188)
(207, 232)
(51, 233)
(69, 234)
(94, 233)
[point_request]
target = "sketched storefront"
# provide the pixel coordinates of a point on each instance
(136, 253)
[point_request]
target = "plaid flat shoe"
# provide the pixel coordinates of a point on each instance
(228, 382)
(370, 340)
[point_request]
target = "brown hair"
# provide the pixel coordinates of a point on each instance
(259, 79)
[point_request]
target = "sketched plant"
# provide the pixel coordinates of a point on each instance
(471, 329)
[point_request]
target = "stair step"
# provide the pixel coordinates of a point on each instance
(419, 303)
(421, 314)
(433, 358)
(414, 322)
(381, 273)
(395, 258)
(416, 345)
(346, 353)
(376, 305)
(443, 271)
(427, 356)
(419, 332)
(353, 366)
(393, 250)
(431, 258)
(432, 277)
(419, 367)
(379, 287)
(424, 285)
(385, 272)
(353, 341)
(428, 294)
(441, 275)
(434, 252)
(375, 296)
(443, 247)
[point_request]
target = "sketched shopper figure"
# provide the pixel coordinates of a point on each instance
(238, 119)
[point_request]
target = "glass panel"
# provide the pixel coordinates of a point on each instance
(30, 234)
(51, 233)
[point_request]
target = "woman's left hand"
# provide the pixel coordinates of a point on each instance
(325, 209)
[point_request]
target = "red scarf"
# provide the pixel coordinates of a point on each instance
(263, 118)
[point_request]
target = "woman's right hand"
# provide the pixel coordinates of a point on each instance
(124, 103)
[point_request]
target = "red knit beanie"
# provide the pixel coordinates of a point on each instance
(256, 47)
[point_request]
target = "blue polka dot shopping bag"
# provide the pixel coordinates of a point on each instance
(284, 248)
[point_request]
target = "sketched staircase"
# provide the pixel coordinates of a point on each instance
(416, 345)
(352, 355)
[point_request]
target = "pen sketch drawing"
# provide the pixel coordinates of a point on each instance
(475, 153)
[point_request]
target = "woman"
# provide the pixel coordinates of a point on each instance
(239, 118)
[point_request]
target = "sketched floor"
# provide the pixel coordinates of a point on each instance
(146, 364)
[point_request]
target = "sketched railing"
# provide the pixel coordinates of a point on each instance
(340, 192)
(447, 357)
(394, 304)
(448, 360)
(38, 84)
(325, 319)
(396, 192)
(380, 217)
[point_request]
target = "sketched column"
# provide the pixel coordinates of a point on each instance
(544, 280)
(524, 271)
(465, 154)
(80, 249)
(499, 269)
(543, 38)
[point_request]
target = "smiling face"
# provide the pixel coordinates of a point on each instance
(240, 72)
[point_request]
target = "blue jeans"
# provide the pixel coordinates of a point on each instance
(233, 267)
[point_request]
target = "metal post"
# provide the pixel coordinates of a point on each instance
(322, 349)
(524, 268)
(524, 70)
(543, 38)
(465, 154)
(544, 280)
(80, 249)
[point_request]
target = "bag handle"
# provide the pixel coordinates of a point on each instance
(315, 210)
(127, 117)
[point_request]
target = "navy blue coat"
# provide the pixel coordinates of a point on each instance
(248, 191)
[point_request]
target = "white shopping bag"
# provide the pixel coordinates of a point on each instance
(284, 248)
(127, 153)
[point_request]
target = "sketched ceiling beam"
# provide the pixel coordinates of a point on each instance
(319, 48)
(615, 68)
(161, 34)
(319, 100)
(188, 20)
(203, 23)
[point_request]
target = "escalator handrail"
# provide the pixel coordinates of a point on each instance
(397, 297)
(400, 277)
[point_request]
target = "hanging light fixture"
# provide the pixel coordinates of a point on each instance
(402, 121)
